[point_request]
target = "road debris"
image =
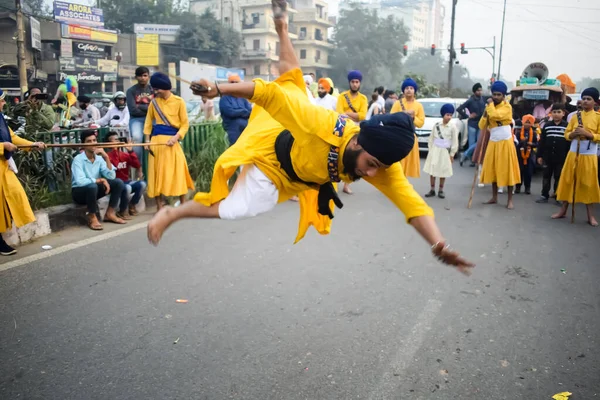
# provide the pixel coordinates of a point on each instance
(181, 301)
(562, 396)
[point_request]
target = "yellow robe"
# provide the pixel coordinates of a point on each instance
(500, 164)
(168, 172)
(359, 102)
(13, 200)
(284, 103)
(587, 191)
(412, 163)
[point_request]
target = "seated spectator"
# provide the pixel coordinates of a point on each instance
(123, 159)
(118, 116)
(94, 177)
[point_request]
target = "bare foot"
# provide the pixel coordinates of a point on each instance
(279, 9)
(491, 201)
(113, 218)
(559, 215)
(159, 224)
(294, 198)
(510, 205)
(592, 221)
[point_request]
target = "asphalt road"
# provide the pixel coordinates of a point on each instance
(364, 313)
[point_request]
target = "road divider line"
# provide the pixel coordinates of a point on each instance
(72, 246)
(389, 385)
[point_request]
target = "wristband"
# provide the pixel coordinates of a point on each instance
(218, 90)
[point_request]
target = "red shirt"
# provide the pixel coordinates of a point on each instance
(122, 160)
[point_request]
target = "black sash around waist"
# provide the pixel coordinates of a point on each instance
(283, 148)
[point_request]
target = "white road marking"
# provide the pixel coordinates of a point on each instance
(389, 384)
(72, 246)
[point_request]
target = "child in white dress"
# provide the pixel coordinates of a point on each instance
(443, 145)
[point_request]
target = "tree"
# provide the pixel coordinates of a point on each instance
(121, 15)
(370, 44)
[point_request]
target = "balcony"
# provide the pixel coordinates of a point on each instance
(312, 16)
(314, 40)
(266, 4)
(259, 27)
(318, 63)
(258, 54)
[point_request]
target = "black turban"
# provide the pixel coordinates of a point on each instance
(160, 81)
(476, 87)
(84, 99)
(388, 137)
(592, 92)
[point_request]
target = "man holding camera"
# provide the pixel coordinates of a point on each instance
(35, 110)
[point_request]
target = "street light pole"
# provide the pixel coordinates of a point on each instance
(21, 60)
(502, 39)
(451, 62)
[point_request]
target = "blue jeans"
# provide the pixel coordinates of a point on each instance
(137, 188)
(473, 138)
(136, 128)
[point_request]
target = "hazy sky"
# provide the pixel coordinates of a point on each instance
(562, 34)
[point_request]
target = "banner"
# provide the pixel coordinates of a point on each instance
(36, 37)
(147, 49)
(78, 64)
(87, 33)
(82, 49)
(110, 77)
(82, 77)
(66, 48)
(165, 30)
(70, 13)
(108, 66)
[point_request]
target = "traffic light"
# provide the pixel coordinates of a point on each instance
(405, 50)
(463, 50)
(433, 49)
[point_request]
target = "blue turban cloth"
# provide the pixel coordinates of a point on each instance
(447, 109)
(499, 87)
(388, 137)
(160, 81)
(409, 82)
(356, 74)
(4, 131)
(592, 92)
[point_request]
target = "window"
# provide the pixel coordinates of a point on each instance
(255, 18)
(318, 56)
(320, 11)
(256, 44)
(303, 54)
(257, 70)
(302, 33)
(276, 48)
(318, 34)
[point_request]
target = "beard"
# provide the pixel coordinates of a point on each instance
(355, 91)
(350, 160)
(322, 94)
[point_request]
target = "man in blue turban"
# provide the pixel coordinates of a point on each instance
(158, 80)
(353, 104)
(293, 147)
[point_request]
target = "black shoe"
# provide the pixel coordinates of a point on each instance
(527, 191)
(441, 194)
(431, 193)
(542, 200)
(472, 165)
(517, 189)
(6, 250)
(461, 161)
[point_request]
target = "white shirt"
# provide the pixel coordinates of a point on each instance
(89, 115)
(108, 117)
(381, 102)
(328, 102)
(310, 95)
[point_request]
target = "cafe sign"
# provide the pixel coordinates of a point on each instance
(82, 49)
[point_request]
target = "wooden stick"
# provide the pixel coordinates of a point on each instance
(180, 79)
(575, 181)
(194, 86)
(105, 145)
(478, 158)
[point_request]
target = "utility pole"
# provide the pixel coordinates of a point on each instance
(452, 52)
(501, 39)
(21, 49)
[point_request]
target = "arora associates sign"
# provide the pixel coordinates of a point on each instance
(78, 14)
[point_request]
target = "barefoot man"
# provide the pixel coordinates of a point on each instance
(294, 147)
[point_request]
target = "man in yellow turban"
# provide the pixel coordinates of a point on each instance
(294, 147)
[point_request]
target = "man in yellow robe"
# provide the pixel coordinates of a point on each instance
(408, 104)
(579, 177)
(500, 165)
(14, 204)
(294, 147)
(168, 173)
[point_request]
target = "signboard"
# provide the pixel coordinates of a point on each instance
(108, 66)
(87, 33)
(224, 73)
(147, 49)
(36, 36)
(79, 14)
(126, 71)
(78, 64)
(164, 30)
(110, 77)
(82, 49)
(536, 94)
(82, 77)
(66, 48)
(9, 77)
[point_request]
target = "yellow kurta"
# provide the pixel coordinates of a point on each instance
(359, 102)
(412, 163)
(13, 200)
(587, 191)
(283, 104)
(500, 165)
(168, 172)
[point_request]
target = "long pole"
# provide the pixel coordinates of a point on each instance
(451, 62)
(494, 58)
(21, 49)
(501, 39)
